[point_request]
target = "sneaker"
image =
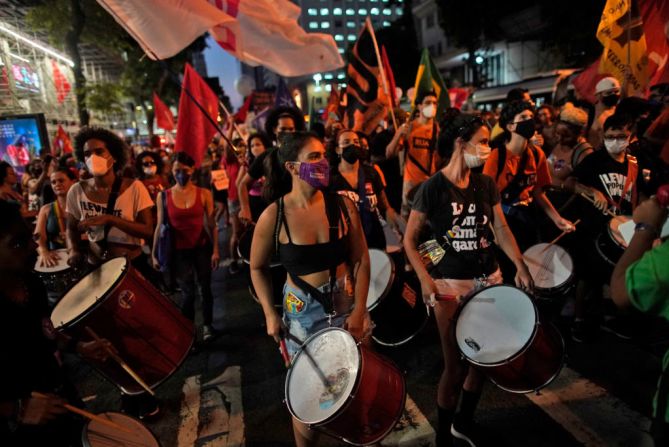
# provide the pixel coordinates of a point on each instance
(620, 327)
(233, 268)
(466, 431)
(580, 332)
(207, 333)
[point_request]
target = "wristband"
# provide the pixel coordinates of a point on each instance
(646, 227)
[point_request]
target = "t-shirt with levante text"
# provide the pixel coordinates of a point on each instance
(468, 213)
(128, 205)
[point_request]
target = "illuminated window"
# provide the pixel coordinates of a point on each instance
(337, 11)
(313, 25)
(325, 11)
(374, 11)
(341, 50)
(325, 25)
(398, 11)
(386, 23)
(350, 24)
(351, 37)
(339, 37)
(328, 76)
(362, 12)
(387, 11)
(350, 12)
(312, 11)
(341, 76)
(328, 88)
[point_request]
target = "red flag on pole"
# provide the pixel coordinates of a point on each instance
(585, 82)
(389, 75)
(62, 143)
(194, 129)
(243, 111)
(164, 117)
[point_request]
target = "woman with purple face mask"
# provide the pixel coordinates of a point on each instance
(190, 213)
(318, 238)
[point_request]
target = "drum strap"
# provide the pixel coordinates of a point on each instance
(111, 203)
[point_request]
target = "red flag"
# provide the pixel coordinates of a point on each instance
(60, 82)
(164, 117)
(61, 142)
(332, 105)
(194, 129)
(243, 111)
(458, 96)
(654, 14)
(585, 82)
(389, 75)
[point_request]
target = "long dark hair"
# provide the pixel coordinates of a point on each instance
(265, 141)
(277, 179)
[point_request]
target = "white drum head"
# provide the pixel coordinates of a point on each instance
(60, 266)
(550, 265)
(615, 232)
(380, 276)
(98, 434)
(335, 352)
(495, 324)
(87, 291)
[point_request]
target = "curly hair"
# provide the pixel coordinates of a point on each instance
(510, 111)
(157, 159)
(118, 149)
(283, 112)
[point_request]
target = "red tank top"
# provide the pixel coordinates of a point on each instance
(187, 224)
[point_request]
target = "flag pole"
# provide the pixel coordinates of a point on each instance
(227, 112)
(629, 47)
(368, 24)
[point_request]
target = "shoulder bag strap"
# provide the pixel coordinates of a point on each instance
(111, 203)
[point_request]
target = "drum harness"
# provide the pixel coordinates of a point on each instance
(334, 206)
(111, 203)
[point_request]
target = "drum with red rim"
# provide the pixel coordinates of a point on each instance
(146, 328)
(498, 330)
(364, 395)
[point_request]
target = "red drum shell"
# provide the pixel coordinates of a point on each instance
(146, 328)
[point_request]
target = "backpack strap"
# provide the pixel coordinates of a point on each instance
(580, 149)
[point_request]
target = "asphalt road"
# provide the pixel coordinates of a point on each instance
(229, 392)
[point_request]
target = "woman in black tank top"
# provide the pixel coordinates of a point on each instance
(319, 239)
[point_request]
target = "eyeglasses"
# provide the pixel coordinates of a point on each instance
(146, 164)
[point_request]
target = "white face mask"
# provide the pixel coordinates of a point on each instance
(429, 111)
(614, 147)
(150, 170)
(478, 159)
(97, 165)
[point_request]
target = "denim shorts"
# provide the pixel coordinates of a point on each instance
(303, 315)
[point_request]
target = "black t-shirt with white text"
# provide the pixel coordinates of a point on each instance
(468, 213)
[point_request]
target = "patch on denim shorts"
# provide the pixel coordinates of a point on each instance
(293, 304)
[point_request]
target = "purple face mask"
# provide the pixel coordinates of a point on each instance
(315, 174)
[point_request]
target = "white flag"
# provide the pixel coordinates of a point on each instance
(257, 32)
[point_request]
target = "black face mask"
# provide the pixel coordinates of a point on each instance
(525, 128)
(610, 100)
(351, 153)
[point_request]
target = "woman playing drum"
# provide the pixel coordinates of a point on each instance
(319, 241)
(51, 219)
(462, 208)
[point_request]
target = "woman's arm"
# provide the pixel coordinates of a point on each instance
(415, 224)
(156, 233)
(394, 146)
(212, 226)
(243, 194)
(40, 230)
(262, 248)
(548, 208)
(507, 242)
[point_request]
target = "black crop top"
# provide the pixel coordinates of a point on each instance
(301, 260)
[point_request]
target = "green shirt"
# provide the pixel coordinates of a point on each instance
(647, 282)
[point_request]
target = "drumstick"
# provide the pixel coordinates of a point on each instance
(591, 200)
(284, 352)
(122, 363)
(319, 372)
(559, 237)
(87, 414)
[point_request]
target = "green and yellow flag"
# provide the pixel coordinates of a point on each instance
(428, 78)
(621, 33)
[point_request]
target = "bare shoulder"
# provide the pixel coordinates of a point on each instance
(267, 219)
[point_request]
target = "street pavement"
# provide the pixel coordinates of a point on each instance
(229, 391)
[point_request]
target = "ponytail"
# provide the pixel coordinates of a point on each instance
(277, 179)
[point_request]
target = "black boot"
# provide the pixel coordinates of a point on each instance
(444, 437)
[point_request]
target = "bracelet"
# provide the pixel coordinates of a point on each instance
(646, 227)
